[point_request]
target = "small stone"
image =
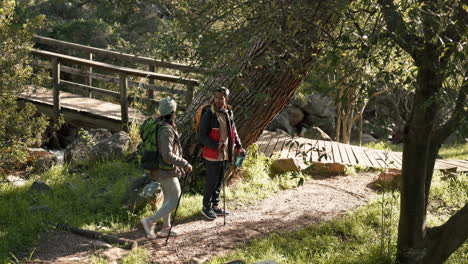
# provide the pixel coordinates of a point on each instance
(40, 186)
(101, 245)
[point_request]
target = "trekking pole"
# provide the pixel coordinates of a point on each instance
(177, 206)
(224, 190)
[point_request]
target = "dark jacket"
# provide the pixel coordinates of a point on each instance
(208, 133)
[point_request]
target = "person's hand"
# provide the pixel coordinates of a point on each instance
(240, 150)
(188, 169)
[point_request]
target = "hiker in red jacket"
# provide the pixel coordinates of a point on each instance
(218, 135)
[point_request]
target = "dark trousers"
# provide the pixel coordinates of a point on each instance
(214, 178)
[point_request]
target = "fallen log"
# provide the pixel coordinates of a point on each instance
(112, 239)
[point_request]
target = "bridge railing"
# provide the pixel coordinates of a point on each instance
(123, 73)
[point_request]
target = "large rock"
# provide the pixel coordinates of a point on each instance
(39, 187)
(142, 191)
(319, 111)
(281, 122)
(82, 146)
(390, 178)
(295, 115)
(366, 139)
(97, 144)
(111, 147)
(41, 159)
(16, 181)
(316, 133)
(286, 165)
(326, 169)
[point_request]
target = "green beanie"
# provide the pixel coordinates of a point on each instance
(167, 106)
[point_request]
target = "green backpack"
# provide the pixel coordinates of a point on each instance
(149, 150)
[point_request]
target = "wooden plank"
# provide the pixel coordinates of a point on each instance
(118, 55)
(344, 155)
(271, 146)
(397, 157)
(279, 145)
(119, 69)
(336, 153)
(79, 103)
(378, 158)
(370, 157)
(349, 152)
(263, 141)
(459, 164)
(362, 158)
(328, 151)
(288, 145)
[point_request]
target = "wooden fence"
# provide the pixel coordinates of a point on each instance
(121, 73)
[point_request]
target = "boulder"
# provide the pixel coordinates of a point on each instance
(326, 169)
(390, 178)
(111, 147)
(316, 133)
(142, 191)
(286, 165)
(39, 187)
(16, 181)
(281, 122)
(41, 159)
(295, 115)
(366, 139)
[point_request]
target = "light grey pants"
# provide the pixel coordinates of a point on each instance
(171, 191)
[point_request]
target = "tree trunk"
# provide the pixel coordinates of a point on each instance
(265, 89)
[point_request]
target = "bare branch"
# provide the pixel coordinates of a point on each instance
(399, 31)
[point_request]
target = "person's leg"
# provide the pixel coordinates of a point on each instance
(216, 195)
(171, 191)
(219, 181)
(213, 168)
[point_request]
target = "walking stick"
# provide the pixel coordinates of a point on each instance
(177, 206)
(224, 190)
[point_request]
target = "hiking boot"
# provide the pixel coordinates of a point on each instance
(149, 228)
(219, 211)
(165, 232)
(208, 213)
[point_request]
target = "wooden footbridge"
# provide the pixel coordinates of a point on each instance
(283, 146)
(92, 106)
(74, 91)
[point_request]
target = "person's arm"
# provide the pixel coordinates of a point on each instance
(205, 129)
(166, 139)
(237, 141)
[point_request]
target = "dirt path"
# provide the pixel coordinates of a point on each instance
(316, 201)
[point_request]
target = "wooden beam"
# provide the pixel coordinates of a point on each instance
(118, 55)
(118, 69)
(55, 87)
(108, 78)
(90, 89)
(124, 100)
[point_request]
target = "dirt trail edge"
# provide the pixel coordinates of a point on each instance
(316, 201)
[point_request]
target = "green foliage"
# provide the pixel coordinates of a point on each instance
(20, 127)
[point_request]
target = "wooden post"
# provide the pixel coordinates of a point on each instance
(150, 93)
(55, 87)
(124, 100)
(189, 95)
(89, 81)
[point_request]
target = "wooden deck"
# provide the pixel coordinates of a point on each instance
(78, 109)
(283, 146)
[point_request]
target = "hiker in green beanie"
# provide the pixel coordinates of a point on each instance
(171, 166)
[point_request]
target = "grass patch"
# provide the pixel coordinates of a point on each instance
(363, 236)
(92, 199)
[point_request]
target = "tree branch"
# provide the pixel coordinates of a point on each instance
(399, 32)
(454, 32)
(445, 239)
(459, 114)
